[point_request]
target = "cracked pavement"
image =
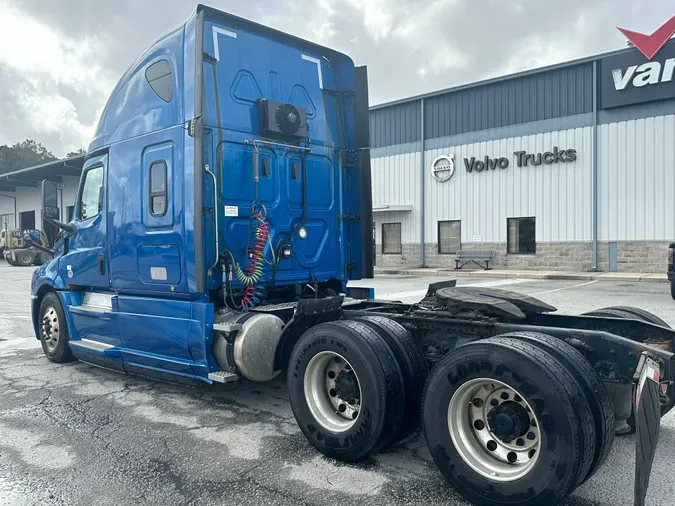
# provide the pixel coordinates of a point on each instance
(75, 434)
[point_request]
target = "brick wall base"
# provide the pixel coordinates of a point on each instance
(646, 256)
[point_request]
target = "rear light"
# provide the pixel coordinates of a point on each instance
(670, 255)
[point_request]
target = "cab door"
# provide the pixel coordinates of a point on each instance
(85, 263)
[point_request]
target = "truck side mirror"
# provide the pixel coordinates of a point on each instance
(50, 203)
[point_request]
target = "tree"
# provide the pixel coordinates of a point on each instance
(79, 152)
(23, 154)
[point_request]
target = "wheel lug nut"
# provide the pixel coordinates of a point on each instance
(332, 392)
(531, 436)
(331, 374)
(491, 445)
(512, 457)
(520, 442)
(479, 424)
(342, 408)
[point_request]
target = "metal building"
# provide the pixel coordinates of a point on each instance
(568, 167)
(20, 201)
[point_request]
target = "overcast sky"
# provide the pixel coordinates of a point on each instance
(59, 59)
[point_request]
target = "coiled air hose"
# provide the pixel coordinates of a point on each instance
(252, 276)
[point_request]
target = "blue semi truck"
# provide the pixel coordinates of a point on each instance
(223, 208)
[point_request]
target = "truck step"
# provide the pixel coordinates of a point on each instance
(223, 377)
(227, 327)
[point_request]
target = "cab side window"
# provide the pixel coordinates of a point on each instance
(158, 188)
(91, 194)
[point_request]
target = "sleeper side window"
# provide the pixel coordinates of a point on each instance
(91, 194)
(159, 77)
(158, 190)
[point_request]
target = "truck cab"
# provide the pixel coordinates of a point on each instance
(225, 174)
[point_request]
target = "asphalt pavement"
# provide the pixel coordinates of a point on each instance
(75, 434)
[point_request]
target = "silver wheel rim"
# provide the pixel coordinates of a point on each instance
(476, 414)
(327, 374)
(50, 328)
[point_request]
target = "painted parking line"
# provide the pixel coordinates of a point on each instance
(480, 284)
(566, 287)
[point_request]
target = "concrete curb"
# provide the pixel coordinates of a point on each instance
(575, 276)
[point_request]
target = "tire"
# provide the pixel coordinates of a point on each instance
(593, 388)
(45, 257)
(25, 258)
(349, 346)
(565, 447)
(413, 366)
(629, 312)
(633, 313)
(53, 330)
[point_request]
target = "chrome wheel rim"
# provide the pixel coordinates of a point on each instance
(50, 328)
(494, 429)
(333, 391)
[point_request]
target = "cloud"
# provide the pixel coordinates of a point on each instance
(37, 66)
(59, 59)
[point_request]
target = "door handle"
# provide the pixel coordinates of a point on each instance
(101, 264)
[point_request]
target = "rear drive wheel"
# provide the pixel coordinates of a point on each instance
(25, 258)
(413, 367)
(45, 257)
(53, 330)
(346, 390)
(507, 424)
(593, 388)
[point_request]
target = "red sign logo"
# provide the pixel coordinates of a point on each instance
(649, 45)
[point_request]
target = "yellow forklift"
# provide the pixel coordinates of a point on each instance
(20, 247)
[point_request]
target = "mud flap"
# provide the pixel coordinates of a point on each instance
(648, 423)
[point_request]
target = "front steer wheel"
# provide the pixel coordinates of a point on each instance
(53, 330)
(506, 423)
(346, 390)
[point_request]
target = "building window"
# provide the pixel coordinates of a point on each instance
(391, 239)
(449, 237)
(158, 188)
(91, 194)
(159, 78)
(521, 236)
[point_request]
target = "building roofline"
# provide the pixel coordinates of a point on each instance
(64, 161)
(517, 75)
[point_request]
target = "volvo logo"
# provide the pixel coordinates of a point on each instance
(443, 168)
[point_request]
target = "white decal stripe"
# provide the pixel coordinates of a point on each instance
(220, 31)
(318, 66)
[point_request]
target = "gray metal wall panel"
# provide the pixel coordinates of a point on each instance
(398, 124)
(554, 94)
(636, 180)
(396, 182)
(638, 111)
(558, 195)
